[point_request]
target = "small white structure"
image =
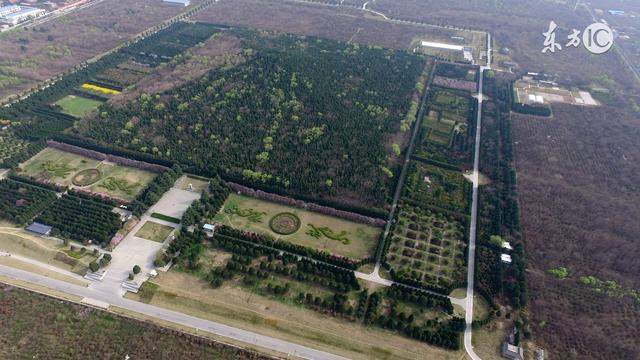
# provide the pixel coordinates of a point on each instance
(506, 245)
(153, 273)
(209, 229)
(535, 99)
(466, 51)
(442, 46)
(506, 258)
(512, 352)
(179, 2)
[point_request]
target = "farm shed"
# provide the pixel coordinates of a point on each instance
(40, 229)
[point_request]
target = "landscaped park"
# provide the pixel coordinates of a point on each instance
(270, 242)
(301, 227)
(77, 171)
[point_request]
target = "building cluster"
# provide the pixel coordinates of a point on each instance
(15, 14)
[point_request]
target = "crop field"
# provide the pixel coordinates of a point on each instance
(314, 230)
(77, 106)
(154, 231)
(39, 327)
(31, 56)
(428, 247)
(569, 163)
(437, 187)
(447, 128)
(68, 169)
(375, 91)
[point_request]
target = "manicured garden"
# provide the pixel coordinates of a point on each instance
(301, 227)
(427, 247)
(437, 187)
(66, 169)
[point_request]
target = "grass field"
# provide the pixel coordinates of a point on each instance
(243, 308)
(77, 106)
(154, 231)
(60, 167)
(359, 241)
(19, 242)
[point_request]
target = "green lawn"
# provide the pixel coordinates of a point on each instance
(154, 231)
(359, 240)
(60, 167)
(77, 106)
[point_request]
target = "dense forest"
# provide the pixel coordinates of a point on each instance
(78, 218)
(499, 216)
(310, 115)
(20, 202)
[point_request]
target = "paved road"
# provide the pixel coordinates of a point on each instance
(133, 250)
(172, 316)
(468, 345)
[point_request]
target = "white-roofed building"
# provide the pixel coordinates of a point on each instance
(25, 13)
(179, 2)
(9, 9)
(506, 258)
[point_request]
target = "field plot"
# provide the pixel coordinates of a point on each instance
(57, 45)
(68, 169)
(338, 23)
(427, 247)
(437, 187)
(260, 118)
(66, 330)
(154, 231)
(77, 106)
(317, 231)
(446, 134)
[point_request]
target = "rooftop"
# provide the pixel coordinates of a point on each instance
(39, 228)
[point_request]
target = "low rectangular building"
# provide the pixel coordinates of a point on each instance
(40, 229)
(25, 13)
(179, 2)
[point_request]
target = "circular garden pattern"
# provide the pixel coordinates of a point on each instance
(86, 177)
(285, 223)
